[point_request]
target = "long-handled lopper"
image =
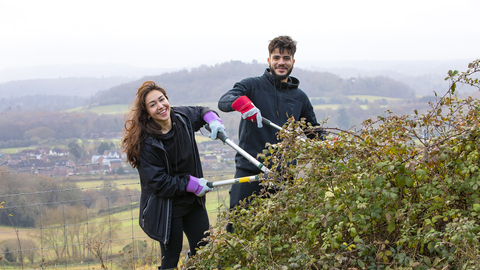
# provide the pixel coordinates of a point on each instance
(242, 152)
(270, 123)
(245, 179)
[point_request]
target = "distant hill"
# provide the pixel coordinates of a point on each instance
(73, 86)
(52, 94)
(207, 83)
(78, 70)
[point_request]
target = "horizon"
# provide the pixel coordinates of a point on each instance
(184, 34)
(378, 67)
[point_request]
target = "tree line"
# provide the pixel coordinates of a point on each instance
(39, 121)
(27, 127)
(208, 83)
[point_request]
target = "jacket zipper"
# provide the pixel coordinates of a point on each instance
(145, 209)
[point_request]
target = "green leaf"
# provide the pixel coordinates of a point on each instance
(427, 261)
(356, 239)
(408, 181)
(391, 168)
(329, 194)
(400, 180)
(476, 207)
(420, 172)
(391, 227)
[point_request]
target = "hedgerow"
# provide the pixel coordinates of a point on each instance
(400, 192)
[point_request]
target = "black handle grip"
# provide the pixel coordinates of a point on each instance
(266, 121)
(220, 135)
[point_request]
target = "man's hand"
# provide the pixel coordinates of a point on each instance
(249, 112)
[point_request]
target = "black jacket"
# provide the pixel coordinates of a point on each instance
(159, 187)
(277, 102)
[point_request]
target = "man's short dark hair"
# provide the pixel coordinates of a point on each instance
(283, 43)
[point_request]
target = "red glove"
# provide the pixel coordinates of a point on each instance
(249, 112)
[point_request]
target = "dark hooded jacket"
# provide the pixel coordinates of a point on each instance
(159, 187)
(277, 102)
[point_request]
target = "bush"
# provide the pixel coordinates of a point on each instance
(382, 197)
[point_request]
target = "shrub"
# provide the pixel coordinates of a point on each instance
(400, 192)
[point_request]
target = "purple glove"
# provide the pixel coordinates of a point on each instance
(215, 124)
(198, 186)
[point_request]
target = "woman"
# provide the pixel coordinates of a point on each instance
(159, 141)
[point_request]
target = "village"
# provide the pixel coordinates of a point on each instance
(59, 162)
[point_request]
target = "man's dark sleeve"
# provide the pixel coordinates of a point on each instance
(226, 100)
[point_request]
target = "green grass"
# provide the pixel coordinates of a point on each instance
(95, 183)
(125, 220)
(16, 149)
(324, 106)
(372, 98)
(353, 97)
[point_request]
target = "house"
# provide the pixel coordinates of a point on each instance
(98, 168)
(70, 163)
(58, 152)
(209, 159)
(4, 163)
(115, 163)
(98, 159)
(116, 154)
(111, 162)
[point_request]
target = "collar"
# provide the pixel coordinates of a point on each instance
(292, 82)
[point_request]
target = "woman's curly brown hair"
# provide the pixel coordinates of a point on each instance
(138, 124)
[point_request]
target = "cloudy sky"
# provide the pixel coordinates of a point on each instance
(188, 33)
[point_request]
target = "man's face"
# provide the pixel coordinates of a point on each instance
(281, 64)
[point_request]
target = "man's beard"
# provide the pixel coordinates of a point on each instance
(280, 77)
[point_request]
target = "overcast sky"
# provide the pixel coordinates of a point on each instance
(178, 34)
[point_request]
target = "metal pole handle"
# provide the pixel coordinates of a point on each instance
(242, 152)
(245, 179)
(270, 123)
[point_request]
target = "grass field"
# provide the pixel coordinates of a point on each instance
(16, 149)
(372, 98)
(125, 223)
(354, 97)
(96, 183)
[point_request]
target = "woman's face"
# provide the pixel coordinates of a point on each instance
(158, 107)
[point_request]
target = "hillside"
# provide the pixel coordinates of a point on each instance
(208, 83)
(52, 94)
(71, 86)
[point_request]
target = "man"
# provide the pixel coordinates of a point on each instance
(274, 95)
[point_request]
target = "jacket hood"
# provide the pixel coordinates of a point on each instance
(292, 82)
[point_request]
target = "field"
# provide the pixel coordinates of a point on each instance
(354, 97)
(122, 219)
